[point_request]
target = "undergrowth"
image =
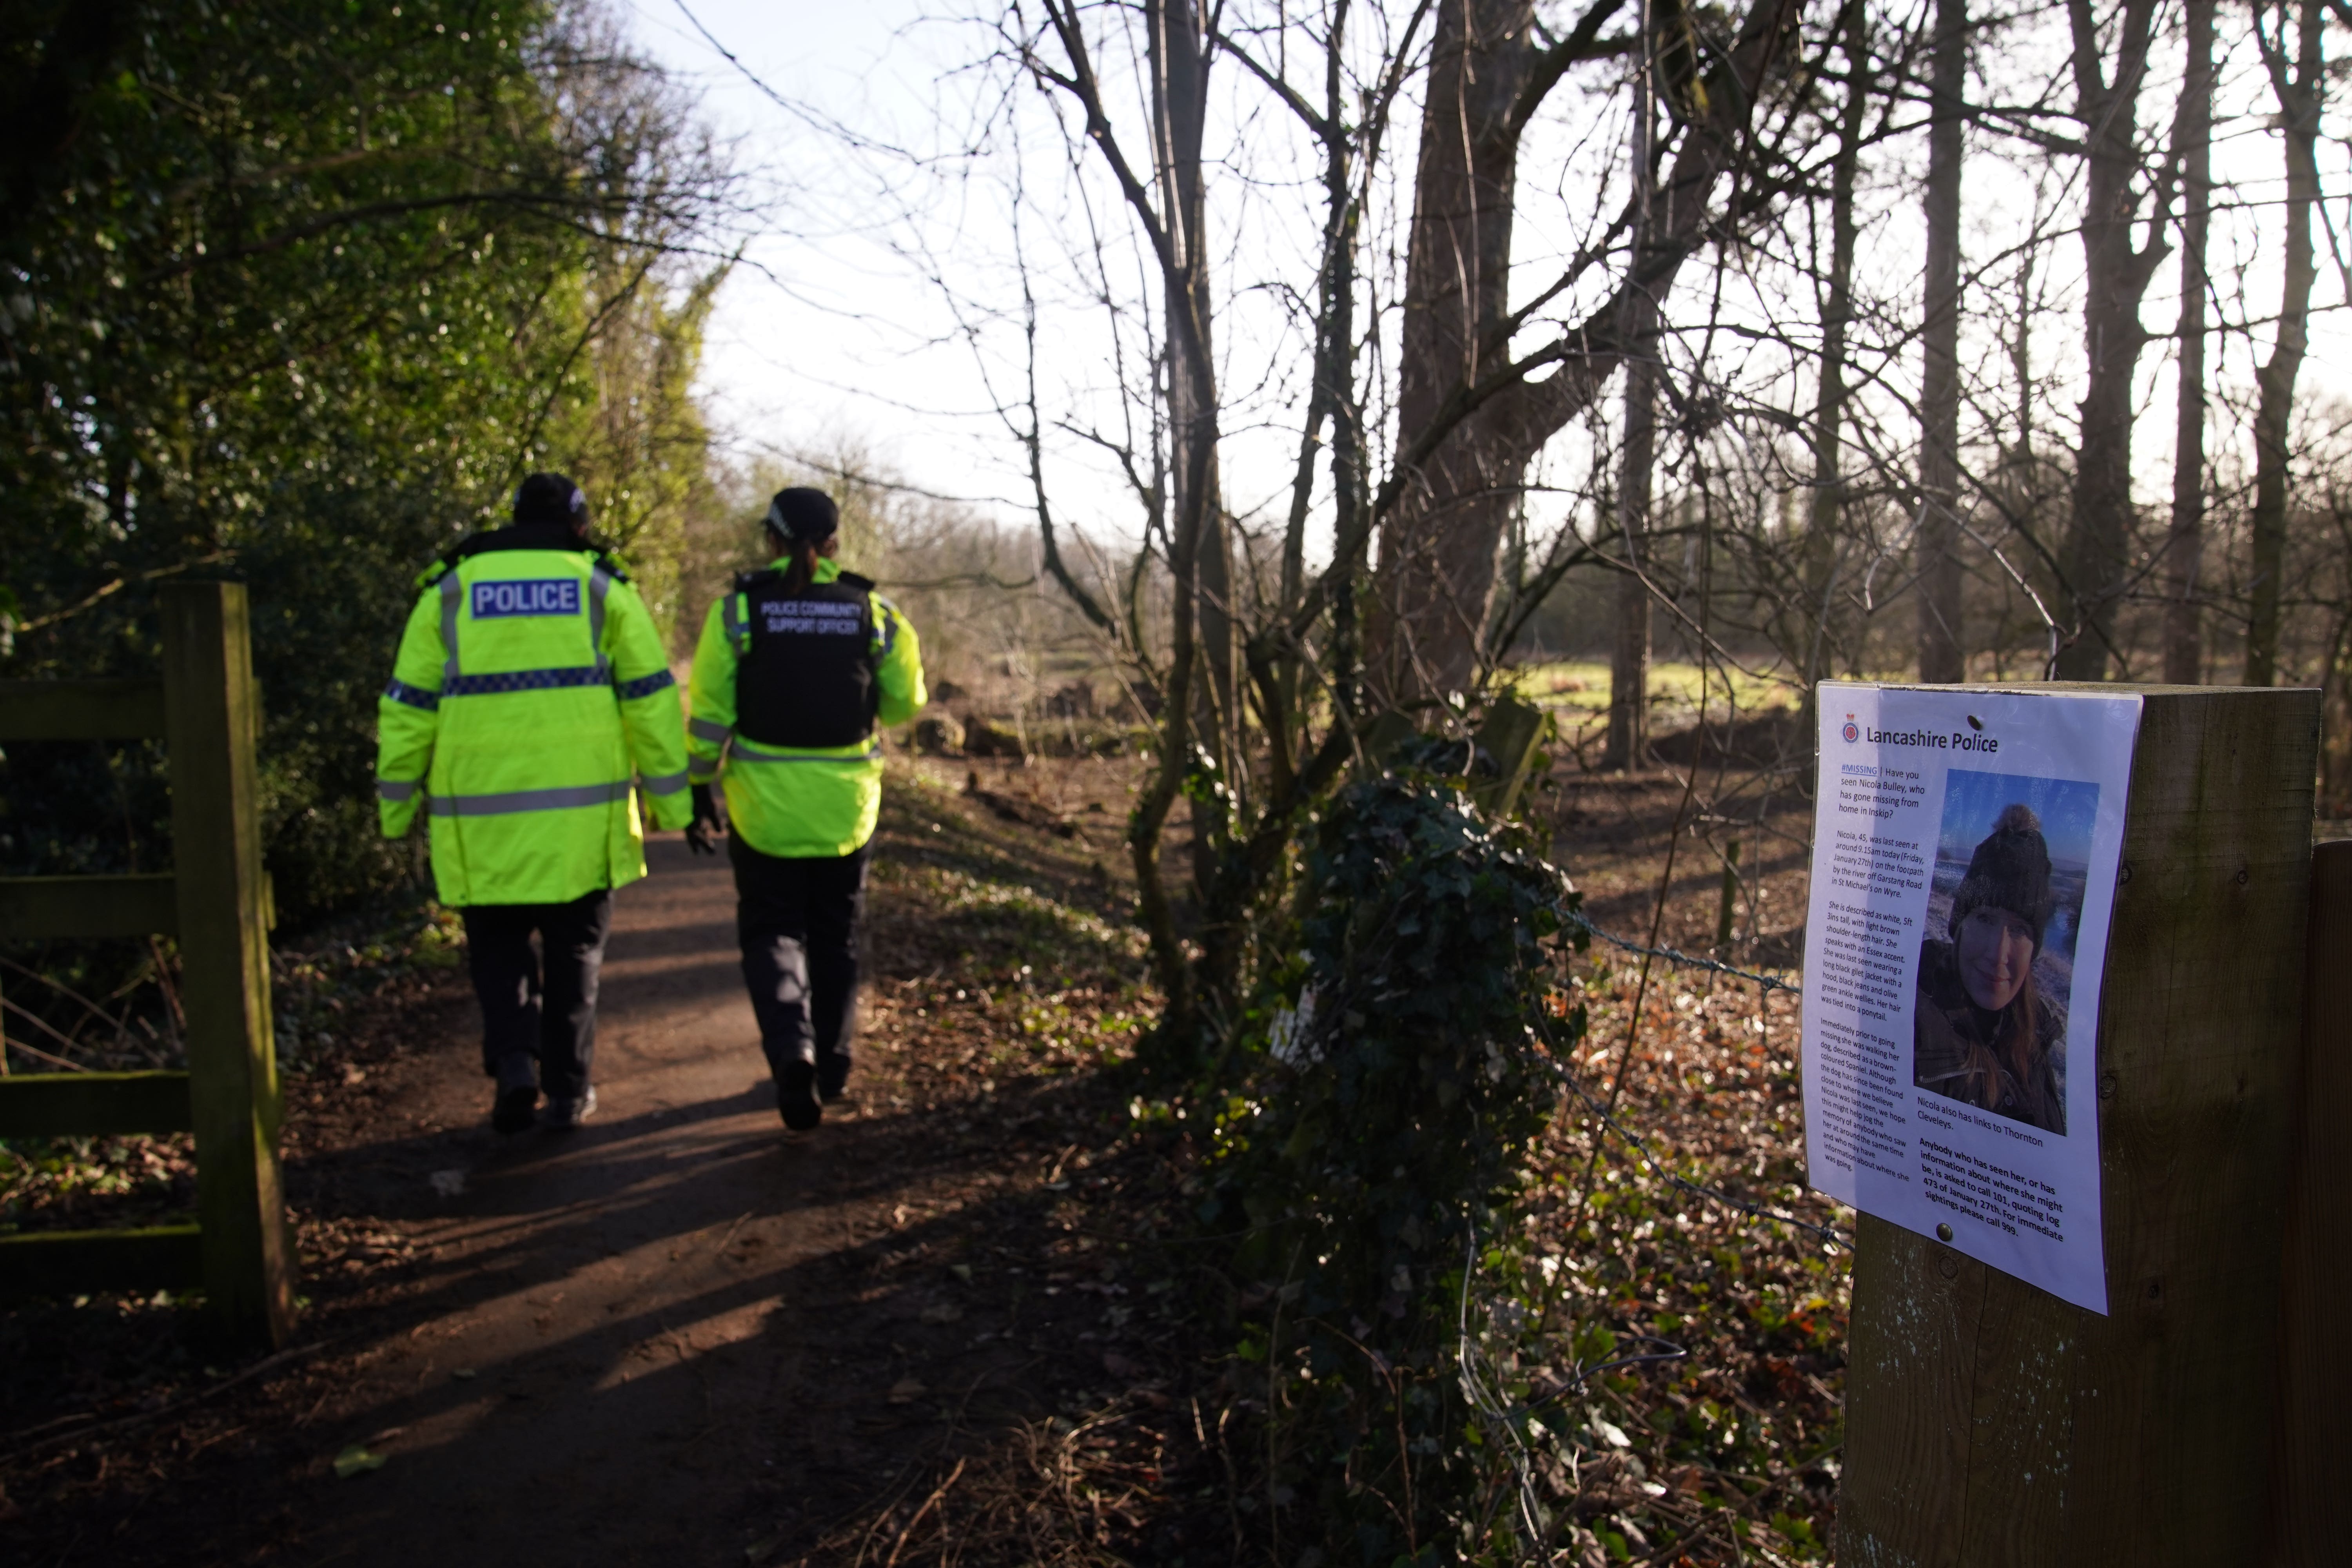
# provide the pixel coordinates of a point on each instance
(1520, 1277)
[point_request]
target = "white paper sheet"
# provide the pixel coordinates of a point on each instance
(1994, 1153)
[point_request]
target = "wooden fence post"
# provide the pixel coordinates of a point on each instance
(2311, 1517)
(212, 719)
(1992, 1426)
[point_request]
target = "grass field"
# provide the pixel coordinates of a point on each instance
(1582, 686)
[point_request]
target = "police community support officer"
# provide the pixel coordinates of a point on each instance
(795, 668)
(531, 686)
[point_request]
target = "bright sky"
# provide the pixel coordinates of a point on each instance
(830, 340)
(825, 339)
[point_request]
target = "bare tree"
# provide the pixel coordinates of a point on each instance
(1823, 549)
(2095, 562)
(2300, 92)
(2184, 544)
(1628, 652)
(1943, 656)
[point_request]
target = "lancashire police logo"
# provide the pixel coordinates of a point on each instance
(1851, 734)
(537, 596)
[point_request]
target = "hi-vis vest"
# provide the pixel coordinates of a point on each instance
(788, 689)
(529, 696)
(806, 677)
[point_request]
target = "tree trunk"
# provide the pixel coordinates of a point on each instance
(1821, 528)
(1467, 423)
(2184, 543)
(1438, 566)
(1332, 399)
(2299, 95)
(2095, 561)
(1629, 656)
(1943, 656)
(1179, 109)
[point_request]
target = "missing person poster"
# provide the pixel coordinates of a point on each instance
(1965, 845)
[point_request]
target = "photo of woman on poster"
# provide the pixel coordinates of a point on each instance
(1990, 1024)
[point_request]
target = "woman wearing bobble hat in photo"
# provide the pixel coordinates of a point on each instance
(1982, 1032)
(797, 665)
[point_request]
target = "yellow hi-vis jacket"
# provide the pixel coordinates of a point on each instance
(530, 687)
(797, 803)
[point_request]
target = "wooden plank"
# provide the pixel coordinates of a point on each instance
(224, 958)
(1988, 1423)
(72, 1262)
(92, 1104)
(128, 709)
(2311, 1509)
(88, 906)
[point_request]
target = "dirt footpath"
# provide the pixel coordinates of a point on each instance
(680, 1334)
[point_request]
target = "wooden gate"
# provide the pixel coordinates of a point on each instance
(214, 903)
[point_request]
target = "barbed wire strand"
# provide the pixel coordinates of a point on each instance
(1675, 956)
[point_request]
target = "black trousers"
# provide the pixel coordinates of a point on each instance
(797, 920)
(540, 1004)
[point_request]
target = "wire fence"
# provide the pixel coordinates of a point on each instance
(1577, 921)
(1564, 1064)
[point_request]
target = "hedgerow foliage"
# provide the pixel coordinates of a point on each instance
(1375, 1151)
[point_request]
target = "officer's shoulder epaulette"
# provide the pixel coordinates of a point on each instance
(610, 562)
(747, 581)
(864, 584)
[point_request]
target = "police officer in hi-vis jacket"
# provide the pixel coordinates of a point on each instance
(796, 667)
(529, 697)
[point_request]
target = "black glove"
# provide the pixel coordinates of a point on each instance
(705, 823)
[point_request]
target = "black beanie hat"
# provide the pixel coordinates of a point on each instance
(550, 498)
(802, 516)
(2009, 871)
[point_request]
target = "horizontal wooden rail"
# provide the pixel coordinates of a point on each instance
(81, 709)
(88, 906)
(93, 1104)
(79, 1262)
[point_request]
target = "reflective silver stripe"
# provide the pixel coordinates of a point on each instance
(709, 728)
(453, 593)
(529, 800)
(886, 621)
(667, 783)
(701, 772)
(396, 789)
(740, 756)
(600, 583)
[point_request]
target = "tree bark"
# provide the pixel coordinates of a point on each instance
(1438, 570)
(1943, 653)
(1179, 111)
(2096, 559)
(2184, 543)
(1629, 656)
(2299, 94)
(1827, 512)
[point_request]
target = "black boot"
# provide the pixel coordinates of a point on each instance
(832, 1077)
(796, 1095)
(516, 1109)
